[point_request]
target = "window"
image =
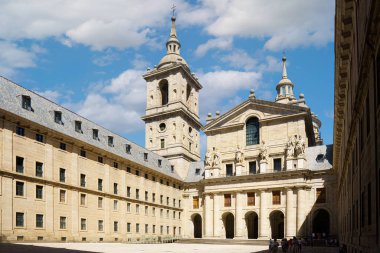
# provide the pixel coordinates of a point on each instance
(159, 162)
(39, 220)
(19, 188)
(62, 175)
(167, 213)
(146, 210)
(83, 153)
(320, 158)
(145, 156)
(229, 170)
(83, 180)
(78, 126)
(115, 205)
(195, 202)
(137, 208)
(62, 222)
(19, 219)
(137, 173)
(161, 230)
(154, 229)
(179, 203)
(174, 202)
(19, 164)
(20, 131)
(115, 165)
(62, 146)
(128, 227)
(137, 228)
(164, 91)
(197, 171)
(162, 141)
(321, 195)
(162, 126)
(100, 225)
(167, 200)
(100, 184)
(128, 207)
(173, 214)
(110, 141)
(146, 196)
(227, 200)
(39, 138)
(62, 196)
(115, 188)
(250, 198)
(277, 164)
(252, 131)
(137, 193)
(26, 103)
(161, 213)
(167, 229)
(100, 202)
(252, 167)
(83, 224)
(179, 215)
(58, 117)
(39, 191)
(95, 134)
(171, 170)
(161, 199)
(153, 211)
(129, 170)
(276, 197)
(83, 199)
(128, 191)
(146, 228)
(115, 226)
(128, 148)
(39, 169)
(100, 159)
(146, 176)
(161, 181)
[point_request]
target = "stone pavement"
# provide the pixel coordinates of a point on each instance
(141, 248)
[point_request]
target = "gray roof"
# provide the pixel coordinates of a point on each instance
(42, 113)
(313, 153)
(192, 175)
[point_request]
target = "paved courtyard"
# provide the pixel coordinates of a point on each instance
(144, 248)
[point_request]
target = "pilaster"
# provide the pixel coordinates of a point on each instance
(239, 219)
(290, 229)
(217, 217)
(264, 216)
(208, 221)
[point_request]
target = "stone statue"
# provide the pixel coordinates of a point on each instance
(212, 158)
(216, 160)
(295, 146)
(239, 155)
(208, 158)
(290, 147)
(263, 151)
(300, 147)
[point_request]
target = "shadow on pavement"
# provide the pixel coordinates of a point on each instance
(25, 248)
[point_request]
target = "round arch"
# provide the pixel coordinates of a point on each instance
(321, 222)
(229, 225)
(276, 218)
(163, 86)
(252, 131)
(197, 223)
(252, 223)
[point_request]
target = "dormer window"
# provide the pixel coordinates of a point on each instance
(320, 158)
(78, 126)
(128, 148)
(110, 141)
(159, 162)
(95, 134)
(197, 171)
(172, 168)
(145, 156)
(58, 117)
(26, 103)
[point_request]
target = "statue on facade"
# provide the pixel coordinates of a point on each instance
(216, 160)
(290, 147)
(295, 146)
(212, 158)
(263, 151)
(208, 158)
(300, 146)
(239, 155)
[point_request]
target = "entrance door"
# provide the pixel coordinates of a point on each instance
(229, 224)
(197, 221)
(277, 224)
(321, 222)
(252, 220)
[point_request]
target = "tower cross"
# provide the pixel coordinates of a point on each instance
(173, 9)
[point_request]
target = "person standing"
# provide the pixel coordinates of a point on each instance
(275, 246)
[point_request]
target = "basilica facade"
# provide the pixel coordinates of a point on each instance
(266, 173)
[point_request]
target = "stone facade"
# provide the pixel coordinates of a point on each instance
(357, 123)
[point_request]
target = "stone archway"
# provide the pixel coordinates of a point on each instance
(229, 225)
(252, 222)
(321, 222)
(277, 224)
(197, 222)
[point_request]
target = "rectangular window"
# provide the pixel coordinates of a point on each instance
(128, 207)
(20, 131)
(78, 126)
(173, 214)
(100, 159)
(127, 148)
(159, 162)
(39, 169)
(167, 201)
(162, 143)
(115, 165)
(19, 188)
(26, 102)
(58, 117)
(39, 191)
(195, 202)
(137, 208)
(100, 184)
(39, 138)
(276, 197)
(19, 219)
(137, 228)
(110, 141)
(154, 229)
(229, 170)
(129, 170)
(128, 227)
(62, 196)
(137, 172)
(174, 202)
(83, 224)
(167, 229)
(179, 203)
(82, 153)
(146, 228)
(19, 164)
(161, 199)
(128, 191)
(252, 167)
(161, 213)
(145, 156)
(39, 220)
(146, 210)
(146, 176)
(171, 170)
(250, 198)
(83, 180)
(62, 146)
(321, 195)
(153, 211)
(277, 164)
(115, 191)
(100, 225)
(95, 134)
(100, 202)
(83, 199)
(137, 193)
(62, 222)
(115, 226)
(153, 197)
(146, 196)
(161, 230)
(62, 175)
(227, 200)
(115, 205)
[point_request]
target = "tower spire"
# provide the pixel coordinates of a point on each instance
(285, 86)
(284, 74)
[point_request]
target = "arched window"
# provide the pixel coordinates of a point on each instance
(164, 89)
(188, 92)
(252, 131)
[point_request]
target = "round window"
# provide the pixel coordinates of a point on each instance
(162, 126)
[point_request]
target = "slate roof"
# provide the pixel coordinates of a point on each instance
(192, 175)
(43, 114)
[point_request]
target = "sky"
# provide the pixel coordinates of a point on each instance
(90, 55)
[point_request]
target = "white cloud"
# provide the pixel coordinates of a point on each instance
(220, 43)
(50, 94)
(13, 57)
(240, 59)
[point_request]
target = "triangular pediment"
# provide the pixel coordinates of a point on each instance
(263, 110)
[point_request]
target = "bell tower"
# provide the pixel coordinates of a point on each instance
(171, 118)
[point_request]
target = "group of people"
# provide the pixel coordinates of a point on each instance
(288, 246)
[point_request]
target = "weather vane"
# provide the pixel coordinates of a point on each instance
(173, 8)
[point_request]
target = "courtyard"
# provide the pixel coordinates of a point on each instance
(145, 248)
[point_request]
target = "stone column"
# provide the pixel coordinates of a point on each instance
(290, 214)
(208, 222)
(300, 210)
(263, 218)
(217, 218)
(239, 217)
